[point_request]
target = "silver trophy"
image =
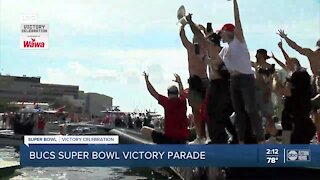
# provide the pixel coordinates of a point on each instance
(181, 14)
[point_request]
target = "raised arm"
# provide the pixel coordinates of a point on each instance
(295, 46)
(186, 43)
(151, 89)
(197, 32)
(286, 56)
(278, 61)
(280, 88)
(238, 27)
(178, 80)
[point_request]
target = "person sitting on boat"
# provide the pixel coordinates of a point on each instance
(175, 109)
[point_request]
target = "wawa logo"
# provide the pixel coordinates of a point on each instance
(33, 44)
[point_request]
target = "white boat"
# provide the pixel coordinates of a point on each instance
(83, 129)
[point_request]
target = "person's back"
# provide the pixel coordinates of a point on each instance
(176, 123)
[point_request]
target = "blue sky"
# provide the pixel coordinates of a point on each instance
(104, 45)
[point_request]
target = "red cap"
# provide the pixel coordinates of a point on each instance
(227, 27)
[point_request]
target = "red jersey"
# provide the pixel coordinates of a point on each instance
(175, 119)
(41, 123)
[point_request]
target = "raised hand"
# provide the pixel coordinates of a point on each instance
(178, 79)
(281, 33)
(280, 44)
(189, 17)
(146, 76)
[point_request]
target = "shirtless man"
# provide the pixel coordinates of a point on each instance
(264, 72)
(197, 82)
(313, 56)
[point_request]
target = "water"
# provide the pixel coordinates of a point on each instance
(79, 173)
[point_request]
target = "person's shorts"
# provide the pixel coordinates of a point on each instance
(160, 138)
(265, 107)
(195, 99)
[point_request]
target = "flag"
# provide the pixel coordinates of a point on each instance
(60, 110)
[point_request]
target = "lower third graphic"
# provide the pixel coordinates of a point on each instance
(298, 155)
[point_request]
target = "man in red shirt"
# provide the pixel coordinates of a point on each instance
(175, 119)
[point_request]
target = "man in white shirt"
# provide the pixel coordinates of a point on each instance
(237, 59)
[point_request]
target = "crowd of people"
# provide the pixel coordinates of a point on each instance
(24, 123)
(133, 123)
(236, 86)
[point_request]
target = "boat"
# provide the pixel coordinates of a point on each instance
(9, 138)
(83, 129)
(133, 136)
(129, 136)
(114, 117)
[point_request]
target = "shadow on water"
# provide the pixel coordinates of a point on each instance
(82, 173)
(153, 173)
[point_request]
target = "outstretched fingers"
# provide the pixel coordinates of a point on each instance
(177, 78)
(281, 33)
